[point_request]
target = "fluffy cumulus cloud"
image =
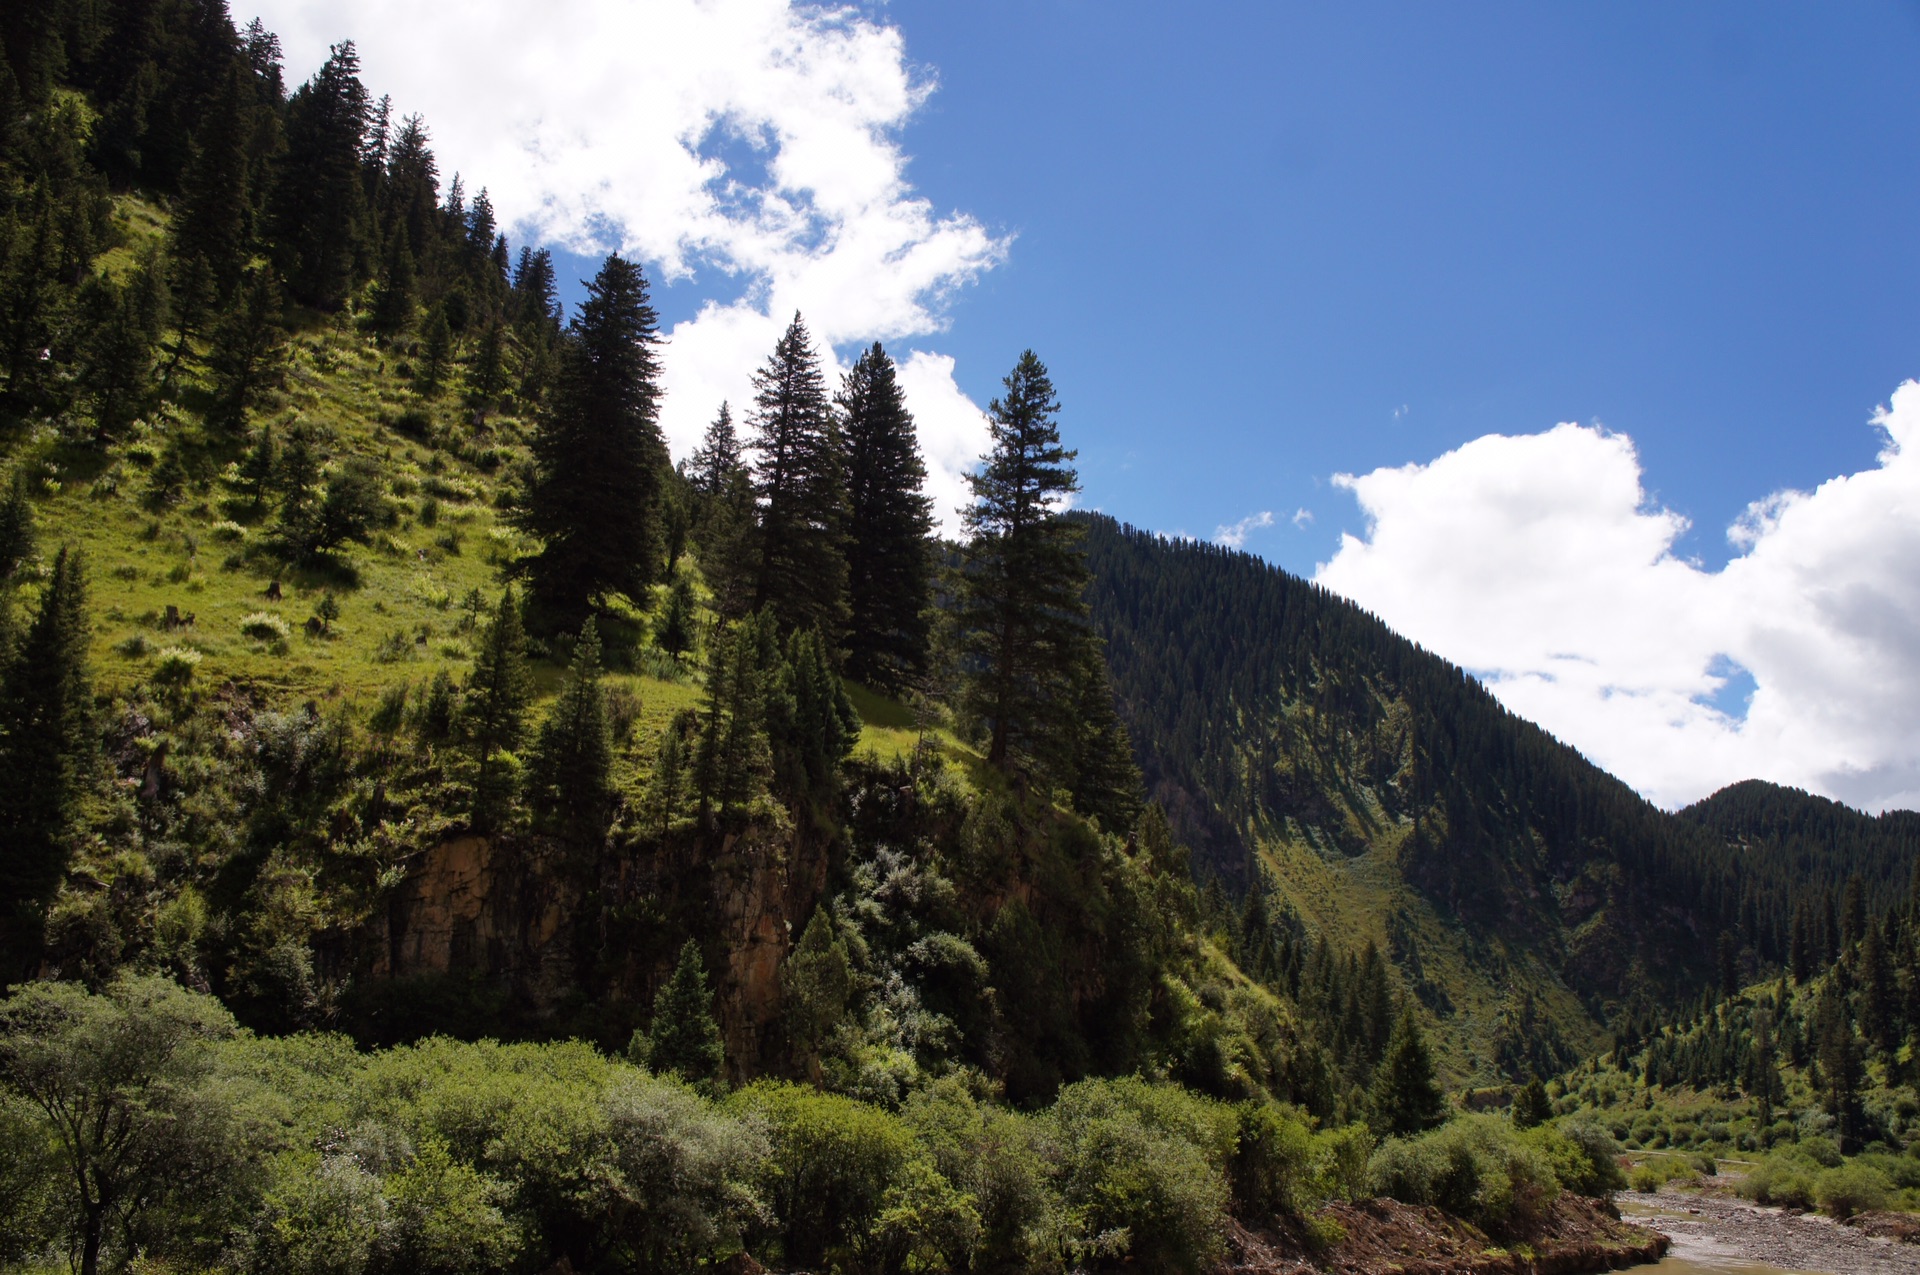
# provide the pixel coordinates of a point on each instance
(1539, 563)
(750, 143)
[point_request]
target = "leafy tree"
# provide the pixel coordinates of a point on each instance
(801, 489)
(248, 352)
(494, 709)
(889, 528)
(593, 498)
(121, 1078)
(321, 222)
(46, 739)
(1024, 573)
(571, 774)
(1406, 1098)
(683, 1040)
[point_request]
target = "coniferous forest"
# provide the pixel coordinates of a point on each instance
(443, 833)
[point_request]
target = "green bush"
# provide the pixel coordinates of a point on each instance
(1475, 1167)
(1584, 1156)
(1142, 1171)
(1779, 1180)
(265, 626)
(993, 1155)
(1851, 1188)
(850, 1184)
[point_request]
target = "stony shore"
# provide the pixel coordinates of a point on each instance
(1712, 1223)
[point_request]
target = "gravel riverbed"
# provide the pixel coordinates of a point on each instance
(1708, 1226)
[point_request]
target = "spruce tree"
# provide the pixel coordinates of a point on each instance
(210, 226)
(683, 1040)
(889, 528)
(498, 691)
(673, 630)
(593, 499)
(17, 536)
(730, 547)
(258, 467)
(667, 786)
(46, 739)
(1020, 588)
(1879, 1003)
(811, 726)
(247, 355)
(735, 759)
(1530, 1105)
(571, 774)
(1406, 1098)
(714, 462)
(122, 324)
(320, 217)
(487, 373)
(436, 355)
(393, 300)
(801, 489)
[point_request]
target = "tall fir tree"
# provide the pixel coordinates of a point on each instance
(734, 759)
(801, 489)
(17, 535)
(321, 221)
(46, 739)
(498, 693)
(1020, 588)
(683, 1040)
(1406, 1097)
(571, 771)
(247, 357)
(211, 225)
(593, 499)
(714, 462)
(889, 528)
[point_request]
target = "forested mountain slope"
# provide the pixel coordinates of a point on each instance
(1304, 747)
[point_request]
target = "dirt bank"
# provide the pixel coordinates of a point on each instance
(1574, 1236)
(1712, 1223)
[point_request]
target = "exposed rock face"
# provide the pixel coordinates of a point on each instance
(524, 918)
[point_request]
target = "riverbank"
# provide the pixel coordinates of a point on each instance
(1711, 1224)
(1574, 1236)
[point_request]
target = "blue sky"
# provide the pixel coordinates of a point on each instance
(1250, 235)
(1359, 261)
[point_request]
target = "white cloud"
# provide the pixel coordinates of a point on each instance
(1234, 535)
(1303, 518)
(747, 142)
(1538, 562)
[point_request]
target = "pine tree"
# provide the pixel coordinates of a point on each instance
(535, 311)
(735, 759)
(1020, 589)
(320, 217)
(17, 536)
(1879, 1005)
(811, 726)
(571, 775)
(247, 356)
(1095, 757)
(801, 489)
(683, 1040)
(210, 226)
(1801, 944)
(818, 979)
(1406, 1098)
(436, 354)
(487, 373)
(673, 630)
(889, 528)
(393, 300)
(717, 458)
(499, 689)
(1842, 1073)
(122, 325)
(594, 495)
(668, 784)
(1531, 1106)
(730, 547)
(46, 739)
(1853, 915)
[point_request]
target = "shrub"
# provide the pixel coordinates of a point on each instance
(845, 1178)
(1821, 1150)
(1475, 1167)
(1142, 1169)
(1781, 1181)
(227, 529)
(1274, 1168)
(265, 626)
(1584, 1156)
(1851, 1188)
(176, 665)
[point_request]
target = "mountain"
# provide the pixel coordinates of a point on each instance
(1380, 792)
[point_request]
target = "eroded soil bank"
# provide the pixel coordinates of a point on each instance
(1384, 1237)
(1712, 1227)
